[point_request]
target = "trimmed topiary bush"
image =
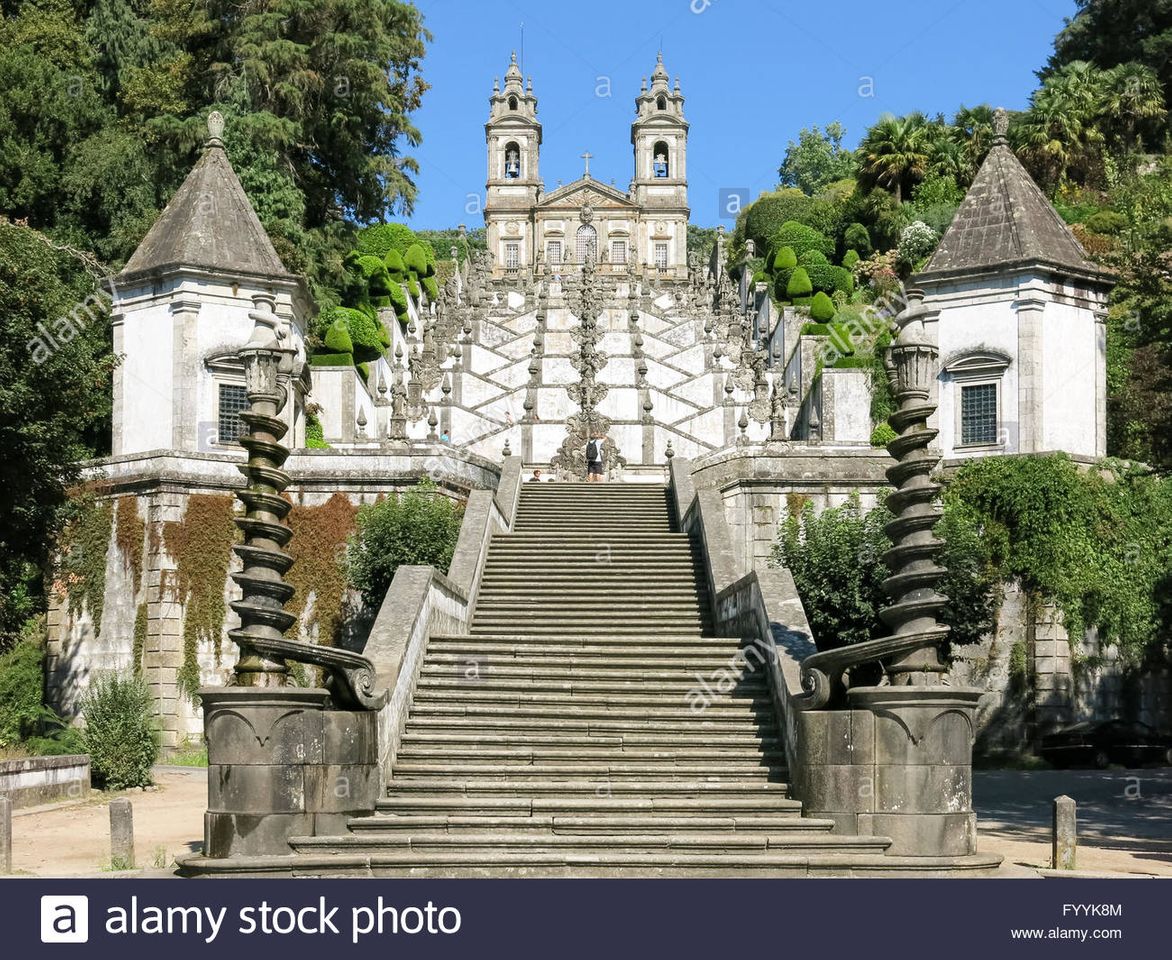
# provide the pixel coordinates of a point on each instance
(415, 259)
(799, 284)
(395, 266)
(858, 239)
(430, 287)
(413, 288)
(801, 238)
(381, 238)
(822, 308)
(416, 527)
(337, 339)
(843, 280)
(364, 334)
(398, 299)
(851, 258)
(1105, 222)
(785, 259)
(120, 734)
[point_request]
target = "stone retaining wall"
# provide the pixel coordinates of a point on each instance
(36, 780)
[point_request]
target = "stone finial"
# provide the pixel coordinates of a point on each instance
(507, 450)
(670, 451)
(215, 128)
(1000, 125)
(432, 423)
(360, 420)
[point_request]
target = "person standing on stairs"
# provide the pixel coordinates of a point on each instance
(594, 459)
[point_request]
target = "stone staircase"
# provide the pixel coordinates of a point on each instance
(562, 736)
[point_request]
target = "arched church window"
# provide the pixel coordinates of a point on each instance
(512, 103)
(512, 161)
(661, 103)
(659, 165)
(587, 238)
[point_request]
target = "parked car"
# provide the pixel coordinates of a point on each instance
(1102, 743)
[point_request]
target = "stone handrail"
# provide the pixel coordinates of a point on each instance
(762, 607)
(421, 601)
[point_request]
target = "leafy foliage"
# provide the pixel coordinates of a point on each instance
(418, 526)
(120, 733)
(817, 159)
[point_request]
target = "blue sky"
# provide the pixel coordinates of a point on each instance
(753, 74)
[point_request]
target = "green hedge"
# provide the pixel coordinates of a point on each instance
(785, 259)
(416, 259)
(801, 238)
(851, 258)
(858, 239)
(331, 360)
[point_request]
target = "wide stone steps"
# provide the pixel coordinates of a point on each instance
(438, 732)
(583, 771)
(606, 825)
(493, 843)
(589, 724)
(435, 750)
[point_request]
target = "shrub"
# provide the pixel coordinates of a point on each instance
(416, 527)
(858, 239)
(120, 733)
(1106, 222)
(398, 299)
(395, 266)
(337, 338)
(836, 559)
(416, 259)
(799, 284)
(851, 258)
(822, 308)
(314, 436)
(883, 434)
(785, 259)
(413, 288)
(380, 239)
(430, 287)
(21, 682)
(916, 241)
(842, 279)
(801, 238)
(364, 334)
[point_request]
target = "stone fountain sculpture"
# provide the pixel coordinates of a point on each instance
(283, 760)
(894, 758)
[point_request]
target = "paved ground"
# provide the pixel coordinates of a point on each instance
(1125, 822)
(1124, 816)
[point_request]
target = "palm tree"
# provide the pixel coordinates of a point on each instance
(894, 153)
(1133, 103)
(972, 127)
(1061, 135)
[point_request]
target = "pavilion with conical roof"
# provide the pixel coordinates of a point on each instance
(180, 314)
(1019, 314)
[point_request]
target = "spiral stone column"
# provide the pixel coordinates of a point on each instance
(263, 619)
(915, 575)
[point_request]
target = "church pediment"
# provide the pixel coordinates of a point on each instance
(586, 192)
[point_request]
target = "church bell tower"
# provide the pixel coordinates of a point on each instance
(659, 135)
(513, 139)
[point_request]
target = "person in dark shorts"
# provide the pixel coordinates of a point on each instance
(594, 470)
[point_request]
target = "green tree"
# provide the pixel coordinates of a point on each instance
(1108, 33)
(817, 159)
(55, 366)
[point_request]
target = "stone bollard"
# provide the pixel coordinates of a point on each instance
(1065, 840)
(121, 834)
(5, 835)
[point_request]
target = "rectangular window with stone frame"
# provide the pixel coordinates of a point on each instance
(978, 414)
(618, 251)
(512, 255)
(232, 400)
(661, 256)
(553, 252)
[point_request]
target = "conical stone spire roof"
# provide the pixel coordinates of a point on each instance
(1005, 221)
(208, 225)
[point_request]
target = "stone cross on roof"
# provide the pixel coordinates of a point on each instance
(586, 156)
